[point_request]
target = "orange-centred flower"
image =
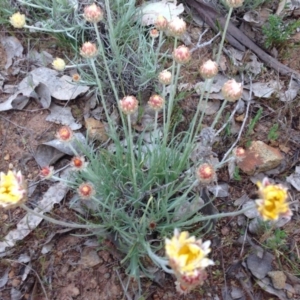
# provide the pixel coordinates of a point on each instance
(12, 189)
(186, 254)
(272, 202)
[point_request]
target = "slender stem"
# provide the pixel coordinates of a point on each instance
(155, 127)
(224, 35)
(132, 154)
(48, 30)
(219, 114)
(197, 112)
(54, 221)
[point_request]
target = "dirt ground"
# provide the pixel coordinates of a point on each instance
(70, 264)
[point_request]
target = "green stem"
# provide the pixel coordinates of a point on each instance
(132, 154)
(54, 221)
(155, 127)
(224, 35)
(219, 114)
(48, 30)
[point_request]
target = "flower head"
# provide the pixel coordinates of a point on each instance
(129, 105)
(234, 3)
(177, 27)
(13, 189)
(58, 64)
(17, 20)
(88, 50)
(65, 134)
(232, 90)
(165, 77)
(209, 69)
(154, 33)
(239, 153)
(181, 54)
(78, 163)
(206, 173)
(76, 77)
(156, 102)
(186, 254)
(86, 190)
(273, 201)
(47, 172)
(93, 13)
(161, 23)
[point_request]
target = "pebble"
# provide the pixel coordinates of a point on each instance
(278, 279)
(107, 275)
(10, 166)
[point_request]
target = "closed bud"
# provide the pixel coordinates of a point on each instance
(65, 134)
(88, 50)
(209, 69)
(161, 23)
(17, 20)
(86, 190)
(154, 33)
(129, 105)
(177, 27)
(165, 77)
(58, 64)
(181, 54)
(232, 90)
(234, 3)
(156, 102)
(93, 13)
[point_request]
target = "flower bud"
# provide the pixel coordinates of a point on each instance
(65, 134)
(156, 102)
(239, 153)
(88, 50)
(76, 77)
(206, 173)
(93, 13)
(58, 64)
(129, 105)
(181, 54)
(232, 90)
(17, 20)
(47, 172)
(234, 3)
(78, 163)
(209, 69)
(86, 190)
(161, 23)
(165, 77)
(154, 33)
(177, 27)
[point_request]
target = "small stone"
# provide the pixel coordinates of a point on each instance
(10, 166)
(107, 275)
(278, 279)
(6, 157)
(90, 258)
(260, 158)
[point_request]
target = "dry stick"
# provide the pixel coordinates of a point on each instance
(237, 38)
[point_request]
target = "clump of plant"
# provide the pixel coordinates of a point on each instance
(143, 188)
(277, 31)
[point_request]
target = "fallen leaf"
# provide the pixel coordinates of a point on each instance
(13, 48)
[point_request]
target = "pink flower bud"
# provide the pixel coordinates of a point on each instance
(209, 69)
(177, 27)
(65, 134)
(181, 54)
(232, 91)
(206, 173)
(129, 105)
(161, 23)
(78, 163)
(154, 33)
(47, 172)
(234, 3)
(86, 190)
(165, 77)
(88, 50)
(156, 102)
(239, 153)
(93, 13)
(76, 77)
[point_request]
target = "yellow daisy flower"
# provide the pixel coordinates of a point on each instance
(186, 254)
(273, 201)
(12, 189)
